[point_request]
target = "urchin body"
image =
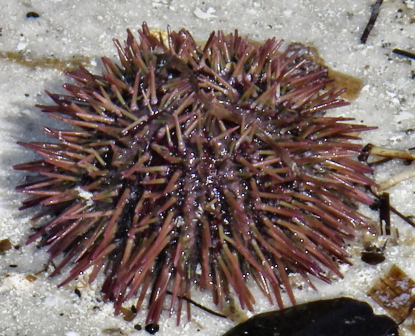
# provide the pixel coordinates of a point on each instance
(204, 166)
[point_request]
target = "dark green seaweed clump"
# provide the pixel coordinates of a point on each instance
(336, 317)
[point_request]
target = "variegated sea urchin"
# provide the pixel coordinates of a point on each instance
(198, 166)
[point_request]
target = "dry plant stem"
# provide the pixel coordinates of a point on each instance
(392, 153)
(404, 53)
(396, 154)
(389, 183)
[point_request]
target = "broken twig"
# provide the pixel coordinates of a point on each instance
(372, 20)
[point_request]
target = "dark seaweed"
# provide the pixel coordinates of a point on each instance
(336, 317)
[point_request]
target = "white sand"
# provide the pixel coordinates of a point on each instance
(85, 28)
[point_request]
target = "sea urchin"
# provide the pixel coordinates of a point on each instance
(198, 166)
